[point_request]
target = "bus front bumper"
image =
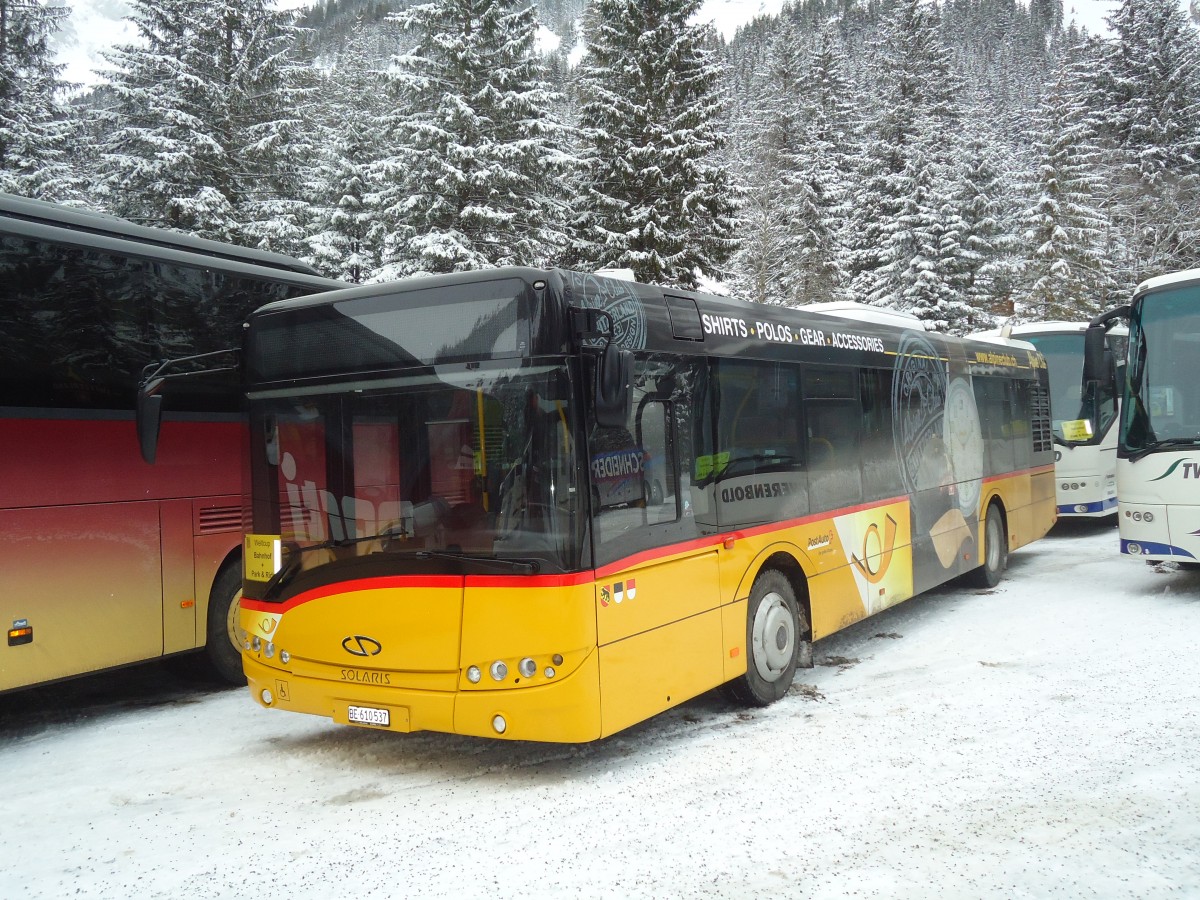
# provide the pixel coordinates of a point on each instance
(566, 711)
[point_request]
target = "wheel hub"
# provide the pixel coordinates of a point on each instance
(773, 639)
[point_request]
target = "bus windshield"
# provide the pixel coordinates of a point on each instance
(474, 465)
(1164, 338)
(1064, 362)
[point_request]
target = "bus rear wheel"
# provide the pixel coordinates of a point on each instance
(995, 550)
(772, 633)
(224, 642)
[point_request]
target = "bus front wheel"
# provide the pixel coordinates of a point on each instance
(772, 632)
(995, 550)
(224, 641)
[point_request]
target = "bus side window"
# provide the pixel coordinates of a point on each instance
(833, 421)
(640, 493)
(881, 472)
(991, 397)
(1022, 426)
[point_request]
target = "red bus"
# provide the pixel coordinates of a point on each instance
(108, 560)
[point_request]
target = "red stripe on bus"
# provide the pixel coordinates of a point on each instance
(358, 584)
(647, 556)
(574, 579)
(1037, 470)
(417, 582)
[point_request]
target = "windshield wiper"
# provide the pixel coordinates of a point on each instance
(524, 566)
(1164, 444)
(292, 566)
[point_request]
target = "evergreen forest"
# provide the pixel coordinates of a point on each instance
(974, 162)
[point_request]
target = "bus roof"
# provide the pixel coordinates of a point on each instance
(1034, 328)
(1000, 340)
(104, 225)
(646, 317)
(1174, 279)
(861, 312)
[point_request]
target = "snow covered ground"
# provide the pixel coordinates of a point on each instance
(1038, 740)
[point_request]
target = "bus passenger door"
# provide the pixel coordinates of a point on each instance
(658, 614)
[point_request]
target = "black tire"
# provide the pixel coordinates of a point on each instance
(994, 554)
(772, 635)
(224, 643)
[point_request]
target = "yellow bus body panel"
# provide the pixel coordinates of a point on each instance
(663, 591)
(536, 622)
(655, 670)
(413, 630)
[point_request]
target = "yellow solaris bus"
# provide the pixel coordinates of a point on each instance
(545, 505)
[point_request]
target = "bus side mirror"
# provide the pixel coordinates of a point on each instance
(149, 418)
(614, 387)
(1097, 368)
(1094, 363)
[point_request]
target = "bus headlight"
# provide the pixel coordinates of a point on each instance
(473, 674)
(256, 643)
(285, 657)
(1137, 517)
(270, 651)
(499, 670)
(1148, 517)
(527, 667)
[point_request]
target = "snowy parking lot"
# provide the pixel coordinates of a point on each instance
(1037, 740)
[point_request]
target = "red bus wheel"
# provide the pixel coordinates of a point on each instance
(224, 644)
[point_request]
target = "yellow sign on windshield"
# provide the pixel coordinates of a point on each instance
(262, 556)
(1077, 430)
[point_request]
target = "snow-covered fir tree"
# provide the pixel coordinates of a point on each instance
(1066, 231)
(907, 233)
(653, 199)
(768, 154)
(1146, 95)
(471, 171)
(36, 129)
(346, 234)
(819, 182)
(987, 204)
(204, 133)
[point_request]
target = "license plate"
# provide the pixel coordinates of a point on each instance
(368, 715)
